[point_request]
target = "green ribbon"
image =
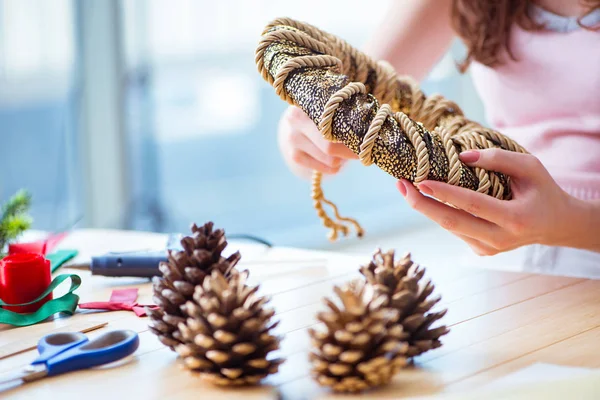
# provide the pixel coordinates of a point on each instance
(66, 304)
(60, 257)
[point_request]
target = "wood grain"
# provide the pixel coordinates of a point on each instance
(18, 341)
(506, 335)
(500, 322)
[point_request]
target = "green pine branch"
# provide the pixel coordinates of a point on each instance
(14, 220)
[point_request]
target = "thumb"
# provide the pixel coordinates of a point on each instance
(510, 163)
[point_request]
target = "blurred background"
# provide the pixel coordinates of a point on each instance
(138, 114)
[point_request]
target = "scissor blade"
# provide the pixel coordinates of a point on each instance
(26, 374)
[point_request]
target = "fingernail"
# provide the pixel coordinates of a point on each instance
(336, 162)
(401, 187)
(469, 156)
(425, 189)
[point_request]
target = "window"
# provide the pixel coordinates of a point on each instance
(140, 114)
(38, 108)
(192, 67)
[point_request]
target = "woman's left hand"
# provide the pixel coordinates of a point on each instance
(539, 212)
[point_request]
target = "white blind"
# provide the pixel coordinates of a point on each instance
(37, 49)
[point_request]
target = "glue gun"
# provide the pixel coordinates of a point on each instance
(143, 264)
(138, 264)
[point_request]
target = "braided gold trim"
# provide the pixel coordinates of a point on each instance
(332, 105)
(414, 135)
(302, 62)
(450, 149)
(441, 117)
(366, 147)
(283, 35)
(385, 90)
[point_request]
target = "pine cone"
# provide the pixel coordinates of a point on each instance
(362, 345)
(183, 271)
(227, 334)
(400, 282)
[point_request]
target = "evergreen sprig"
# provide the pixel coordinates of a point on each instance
(15, 219)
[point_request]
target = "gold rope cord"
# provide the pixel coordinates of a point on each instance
(321, 61)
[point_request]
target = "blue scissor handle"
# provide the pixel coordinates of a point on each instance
(51, 345)
(105, 349)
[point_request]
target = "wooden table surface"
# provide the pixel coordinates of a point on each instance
(500, 322)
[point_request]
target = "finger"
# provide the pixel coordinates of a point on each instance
(334, 149)
(479, 247)
(504, 161)
(305, 160)
(292, 137)
(451, 219)
(314, 135)
(302, 142)
(474, 203)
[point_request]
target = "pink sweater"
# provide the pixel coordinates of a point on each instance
(549, 99)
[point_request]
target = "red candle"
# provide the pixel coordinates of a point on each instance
(23, 277)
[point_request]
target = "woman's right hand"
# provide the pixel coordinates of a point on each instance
(304, 149)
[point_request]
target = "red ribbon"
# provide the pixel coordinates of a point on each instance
(122, 299)
(40, 247)
(24, 277)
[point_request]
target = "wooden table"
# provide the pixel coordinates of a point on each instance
(500, 322)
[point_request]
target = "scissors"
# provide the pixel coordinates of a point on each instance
(72, 351)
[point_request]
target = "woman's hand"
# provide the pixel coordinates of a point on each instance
(304, 148)
(539, 212)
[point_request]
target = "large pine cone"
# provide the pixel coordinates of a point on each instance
(183, 271)
(362, 345)
(400, 282)
(227, 335)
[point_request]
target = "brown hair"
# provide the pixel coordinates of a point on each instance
(484, 26)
